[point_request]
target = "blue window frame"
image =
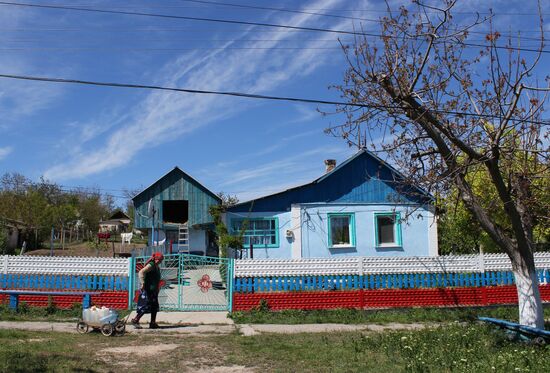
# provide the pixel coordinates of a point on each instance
(387, 228)
(341, 230)
(261, 232)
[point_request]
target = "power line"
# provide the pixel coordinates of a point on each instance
(277, 9)
(193, 29)
(306, 10)
(202, 40)
(188, 18)
(246, 95)
(228, 21)
(68, 189)
(122, 49)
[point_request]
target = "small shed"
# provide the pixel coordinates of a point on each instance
(118, 222)
(13, 230)
(176, 209)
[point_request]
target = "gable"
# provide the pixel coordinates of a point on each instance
(175, 185)
(363, 178)
(119, 215)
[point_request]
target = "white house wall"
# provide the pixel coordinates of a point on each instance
(315, 244)
(309, 226)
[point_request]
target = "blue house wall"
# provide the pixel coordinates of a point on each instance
(362, 188)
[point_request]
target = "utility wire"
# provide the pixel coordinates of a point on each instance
(187, 29)
(228, 21)
(310, 10)
(247, 95)
(201, 19)
(276, 9)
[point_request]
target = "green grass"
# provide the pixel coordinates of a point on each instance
(50, 313)
(353, 316)
(453, 348)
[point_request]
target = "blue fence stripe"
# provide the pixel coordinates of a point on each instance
(326, 282)
(65, 282)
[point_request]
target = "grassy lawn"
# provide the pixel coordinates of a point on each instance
(352, 316)
(454, 348)
(50, 313)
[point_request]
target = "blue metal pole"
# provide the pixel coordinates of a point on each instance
(131, 279)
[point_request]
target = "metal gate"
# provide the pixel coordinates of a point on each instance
(192, 282)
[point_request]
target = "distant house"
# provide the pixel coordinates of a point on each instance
(175, 209)
(13, 230)
(118, 222)
(356, 208)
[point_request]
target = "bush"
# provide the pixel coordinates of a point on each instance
(23, 308)
(3, 240)
(51, 308)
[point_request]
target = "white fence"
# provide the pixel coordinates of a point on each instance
(379, 265)
(279, 267)
(63, 265)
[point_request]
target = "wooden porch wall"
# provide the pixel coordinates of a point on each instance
(175, 186)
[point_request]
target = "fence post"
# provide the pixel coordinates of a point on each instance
(360, 266)
(5, 270)
(131, 270)
(481, 262)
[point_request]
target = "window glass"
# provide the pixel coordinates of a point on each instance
(341, 230)
(340, 234)
(386, 230)
(258, 232)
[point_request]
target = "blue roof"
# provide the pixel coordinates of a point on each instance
(362, 178)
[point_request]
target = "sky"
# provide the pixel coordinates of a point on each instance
(119, 138)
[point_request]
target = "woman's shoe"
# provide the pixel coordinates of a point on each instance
(154, 325)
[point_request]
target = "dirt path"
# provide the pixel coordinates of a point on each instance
(244, 329)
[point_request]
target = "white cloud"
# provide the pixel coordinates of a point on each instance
(163, 117)
(5, 151)
(277, 175)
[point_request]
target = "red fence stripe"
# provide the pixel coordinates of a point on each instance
(110, 299)
(384, 298)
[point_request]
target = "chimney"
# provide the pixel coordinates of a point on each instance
(330, 163)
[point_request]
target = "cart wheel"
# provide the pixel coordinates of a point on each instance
(107, 330)
(82, 327)
(539, 341)
(120, 327)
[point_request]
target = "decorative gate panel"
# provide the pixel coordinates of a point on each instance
(193, 282)
(207, 283)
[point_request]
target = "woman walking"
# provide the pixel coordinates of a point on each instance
(148, 302)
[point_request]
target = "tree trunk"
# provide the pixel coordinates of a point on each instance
(529, 301)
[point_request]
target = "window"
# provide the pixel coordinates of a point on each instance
(175, 211)
(388, 229)
(261, 232)
(341, 230)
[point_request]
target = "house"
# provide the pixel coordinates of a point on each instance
(361, 207)
(175, 210)
(118, 222)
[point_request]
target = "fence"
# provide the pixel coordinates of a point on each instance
(359, 282)
(107, 277)
(373, 282)
(380, 265)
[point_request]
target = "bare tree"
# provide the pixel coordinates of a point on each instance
(450, 107)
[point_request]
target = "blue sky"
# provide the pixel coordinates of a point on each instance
(115, 138)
